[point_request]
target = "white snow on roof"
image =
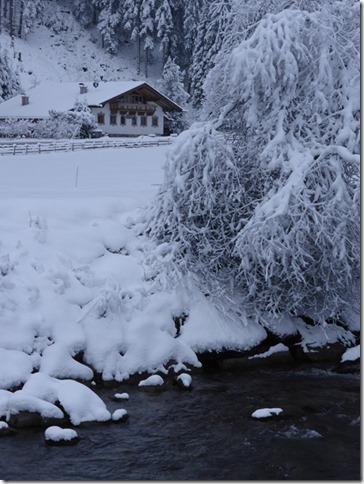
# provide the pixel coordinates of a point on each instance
(61, 96)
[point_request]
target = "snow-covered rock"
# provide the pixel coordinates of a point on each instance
(5, 430)
(121, 396)
(152, 381)
(20, 401)
(266, 412)
(184, 380)
(278, 348)
(351, 354)
(120, 415)
(78, 401)
(58, 435)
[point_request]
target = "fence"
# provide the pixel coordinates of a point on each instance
(27, 147)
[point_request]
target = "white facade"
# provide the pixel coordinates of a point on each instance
(113, 126)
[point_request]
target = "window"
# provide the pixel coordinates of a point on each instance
(122, 120)
(100, 118)
(143, 121)
(155, 121)
(134, 121)
(113, 119)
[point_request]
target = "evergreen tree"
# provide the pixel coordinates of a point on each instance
(147, 29)
(9, 82)
(209, 40)
(165, 28)
(109, 23)
(172, 86)
(32, 11)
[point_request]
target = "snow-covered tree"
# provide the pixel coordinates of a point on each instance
(165, 26)
(147, 29)
(109, 23)
(9, 82)
(32, 12)
(208, 42)
(172, 86)
(262, 200)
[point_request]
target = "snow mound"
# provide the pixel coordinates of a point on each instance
(3, 425)
(154, 380)
(351, 354)
(121, 396)
(119, 414)
(266, 412)
(15, 368)
(57, 434)
(78, 401)
(20, 401)
(58, 362)
(185, 379)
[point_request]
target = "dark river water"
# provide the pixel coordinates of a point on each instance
(207, 433)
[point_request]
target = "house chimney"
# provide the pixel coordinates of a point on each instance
(83, 88)
(24, 100)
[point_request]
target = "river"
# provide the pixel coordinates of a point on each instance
(207, 433)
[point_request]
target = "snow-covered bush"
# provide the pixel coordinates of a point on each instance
(262, 200)
(77, 123)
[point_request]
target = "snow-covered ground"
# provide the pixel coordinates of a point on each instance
(75, 280)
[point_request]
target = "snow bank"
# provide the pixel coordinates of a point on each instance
(154, 380)
(15, 368)
(21, 401)
(351, 354)
(57, 434)
(266, 412)
(78, 401)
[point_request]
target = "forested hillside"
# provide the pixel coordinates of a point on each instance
(81, 39)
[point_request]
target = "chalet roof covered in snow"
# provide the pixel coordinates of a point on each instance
(61, 96)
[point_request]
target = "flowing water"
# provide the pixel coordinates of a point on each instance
(207, 433)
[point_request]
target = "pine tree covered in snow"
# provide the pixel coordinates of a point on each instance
(172, 86)
(9, 82)
(164, 20)
(147, 29)
(262, 201)
(210, 35)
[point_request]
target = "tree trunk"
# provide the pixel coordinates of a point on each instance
(21, 19)
(138, 54)
(146, 61)
(11, 18)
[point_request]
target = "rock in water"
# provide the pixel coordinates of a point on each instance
(266, 412)
(120, 415)
(154, 382)
(57, 436)
(184, 381)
